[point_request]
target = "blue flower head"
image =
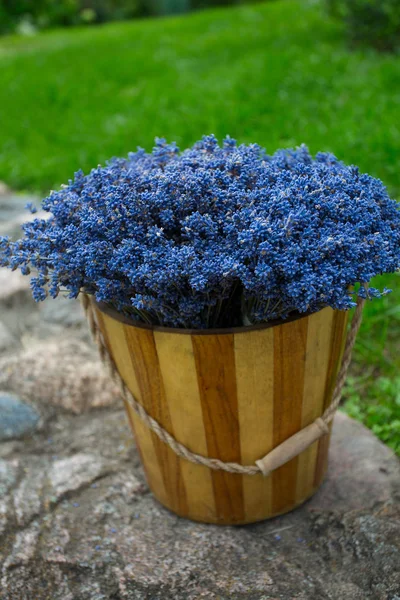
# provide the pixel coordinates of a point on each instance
(213, 236)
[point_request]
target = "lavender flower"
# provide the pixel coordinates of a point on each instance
(213, 236)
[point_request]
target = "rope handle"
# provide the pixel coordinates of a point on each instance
(277, 457)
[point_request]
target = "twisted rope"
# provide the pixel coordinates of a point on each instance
(341, 378)
(321, 424)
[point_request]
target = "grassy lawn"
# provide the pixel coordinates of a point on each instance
(277, 73)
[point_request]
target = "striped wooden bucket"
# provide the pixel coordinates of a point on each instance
(234, 395)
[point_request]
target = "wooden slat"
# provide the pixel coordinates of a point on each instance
(215, 365)
(144, 358)
(254, 379)
(178, 368)
(129, 411)
(317, 362)
(338, 339)
(321, 464)
(290, 343)
(115, 334)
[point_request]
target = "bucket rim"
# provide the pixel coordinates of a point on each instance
(114, 314)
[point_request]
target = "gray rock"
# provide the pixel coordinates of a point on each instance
(28, 495)
(17, 417)
(12, 204)
(5, 513)
(7, 340)
(8, 475)
(24, 547)
(65, 373)
(17, 307)
(62, 311)
(13, 213)
(70, 474)
(8, 448)
(362, 471)
(14, 288)
(13, 226)
(16, 303)
(90, 529)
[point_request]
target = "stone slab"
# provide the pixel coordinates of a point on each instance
(104, 536)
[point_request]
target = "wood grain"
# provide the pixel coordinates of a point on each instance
(129, 412)
(254, 380)
(321, 465)
(290, 343)
(177, 364)
(338, 339)
(215, 366)
(316, 369)
(143, 353)
(115, 334)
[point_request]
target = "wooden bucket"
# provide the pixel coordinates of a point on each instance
(234, 395)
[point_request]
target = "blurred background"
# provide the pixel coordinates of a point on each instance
(84, 80)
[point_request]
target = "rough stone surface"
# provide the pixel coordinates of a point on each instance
(66, 374)
(28, 494)
(17, 307)
(7, 340)
(12, 286)
(13, 227)
(362, 471)
(8, 475)
(79, 522)
(17, 418)
(13, 213)
(62, 311)
(69, 474)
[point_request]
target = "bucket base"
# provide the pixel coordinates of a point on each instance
(217, 521)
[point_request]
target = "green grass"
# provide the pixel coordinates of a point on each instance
(372, 392)
(278, 74)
